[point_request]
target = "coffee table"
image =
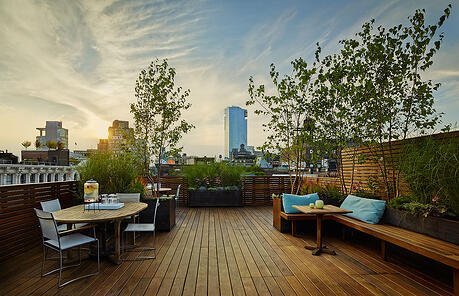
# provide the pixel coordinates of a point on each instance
(327, 210)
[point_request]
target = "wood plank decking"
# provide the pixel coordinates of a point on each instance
(229, 251)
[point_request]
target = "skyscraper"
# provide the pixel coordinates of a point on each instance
(235, 129)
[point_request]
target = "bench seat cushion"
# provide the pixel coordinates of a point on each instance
(289, 200)
(364, 209)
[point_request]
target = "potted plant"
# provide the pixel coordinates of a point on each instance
(215, 184)
(430, 166)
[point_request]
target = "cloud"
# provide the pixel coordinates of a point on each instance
(77, 61)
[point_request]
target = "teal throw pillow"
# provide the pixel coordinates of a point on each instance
(364, 209)
(289, 200)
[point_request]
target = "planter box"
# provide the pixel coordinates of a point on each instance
(440, 228)
(165, 217)
(219, 198)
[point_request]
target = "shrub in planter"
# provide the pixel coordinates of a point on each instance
(329, 193)
(431, 168)
(216, 184)
(114, 172)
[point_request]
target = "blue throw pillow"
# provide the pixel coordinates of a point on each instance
(289, 200)
(364, 209)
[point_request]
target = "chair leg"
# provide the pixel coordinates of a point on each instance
(60, 284)
(43, 261)
(142, 249)
(60, 268)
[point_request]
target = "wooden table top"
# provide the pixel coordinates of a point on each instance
(77, 214)
(328, 209)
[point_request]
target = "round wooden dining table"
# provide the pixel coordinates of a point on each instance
(78, 214)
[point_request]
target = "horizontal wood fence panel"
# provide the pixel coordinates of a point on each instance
(18, 223)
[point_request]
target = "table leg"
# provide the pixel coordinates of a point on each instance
(117, 241)
(320, 248)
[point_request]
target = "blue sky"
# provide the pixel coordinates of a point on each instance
(77, 61)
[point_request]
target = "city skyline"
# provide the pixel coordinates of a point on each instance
(77, 62)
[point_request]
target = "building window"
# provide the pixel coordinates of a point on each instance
(32, 178)
(41, 178)
(23, 178)
(9, 179)
(48, 179)
(64, 177)
(56, 177)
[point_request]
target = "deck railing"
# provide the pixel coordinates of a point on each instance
(18, 223)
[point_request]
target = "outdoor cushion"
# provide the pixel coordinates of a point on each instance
(364, 209)
(289, 200)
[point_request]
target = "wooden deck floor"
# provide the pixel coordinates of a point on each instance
(229, 251)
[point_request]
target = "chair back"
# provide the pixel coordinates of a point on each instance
(177, 193)
(156, 209)
(48, 225)
(51, 206)
(128, 197)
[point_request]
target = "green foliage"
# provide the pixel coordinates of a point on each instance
(290, 129)
(114, 173)
(409, 203)
(26, 144)
(329, 193)
(431, 168)
(215, 175)
(51, 144)
(157, 112)
(399, 201)
(365, 194)
(384, 68)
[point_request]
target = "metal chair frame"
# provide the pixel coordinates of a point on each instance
(52, 233)
(138, 228)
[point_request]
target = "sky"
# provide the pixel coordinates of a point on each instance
(77, 61)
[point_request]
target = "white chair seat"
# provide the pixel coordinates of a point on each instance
(140, 227)
(71, 240)
(61, 227)
(79, 225)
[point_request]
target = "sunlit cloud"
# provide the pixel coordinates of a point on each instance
(77, 61)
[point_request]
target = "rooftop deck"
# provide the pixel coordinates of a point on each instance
(230, 251)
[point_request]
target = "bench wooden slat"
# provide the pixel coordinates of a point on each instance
(441, 251)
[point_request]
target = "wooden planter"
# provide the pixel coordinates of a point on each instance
(440, 228)
(165, 217)
(218, 198)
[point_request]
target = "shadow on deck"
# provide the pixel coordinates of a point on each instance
(229, 251)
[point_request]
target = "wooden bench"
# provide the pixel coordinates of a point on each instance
(435, 249)
(280, 217)
(293, 218)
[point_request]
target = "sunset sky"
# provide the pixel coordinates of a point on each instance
(77, 61)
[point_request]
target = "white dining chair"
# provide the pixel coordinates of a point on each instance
(61, 241)
(142, 227)
(128, 197)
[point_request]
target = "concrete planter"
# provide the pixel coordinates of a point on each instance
(214, 198)
(444, 229)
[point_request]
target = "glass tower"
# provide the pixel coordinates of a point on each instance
(235, 129)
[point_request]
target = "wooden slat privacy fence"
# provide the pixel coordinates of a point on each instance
(257, 190)
(18, 223)
(367, 173)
